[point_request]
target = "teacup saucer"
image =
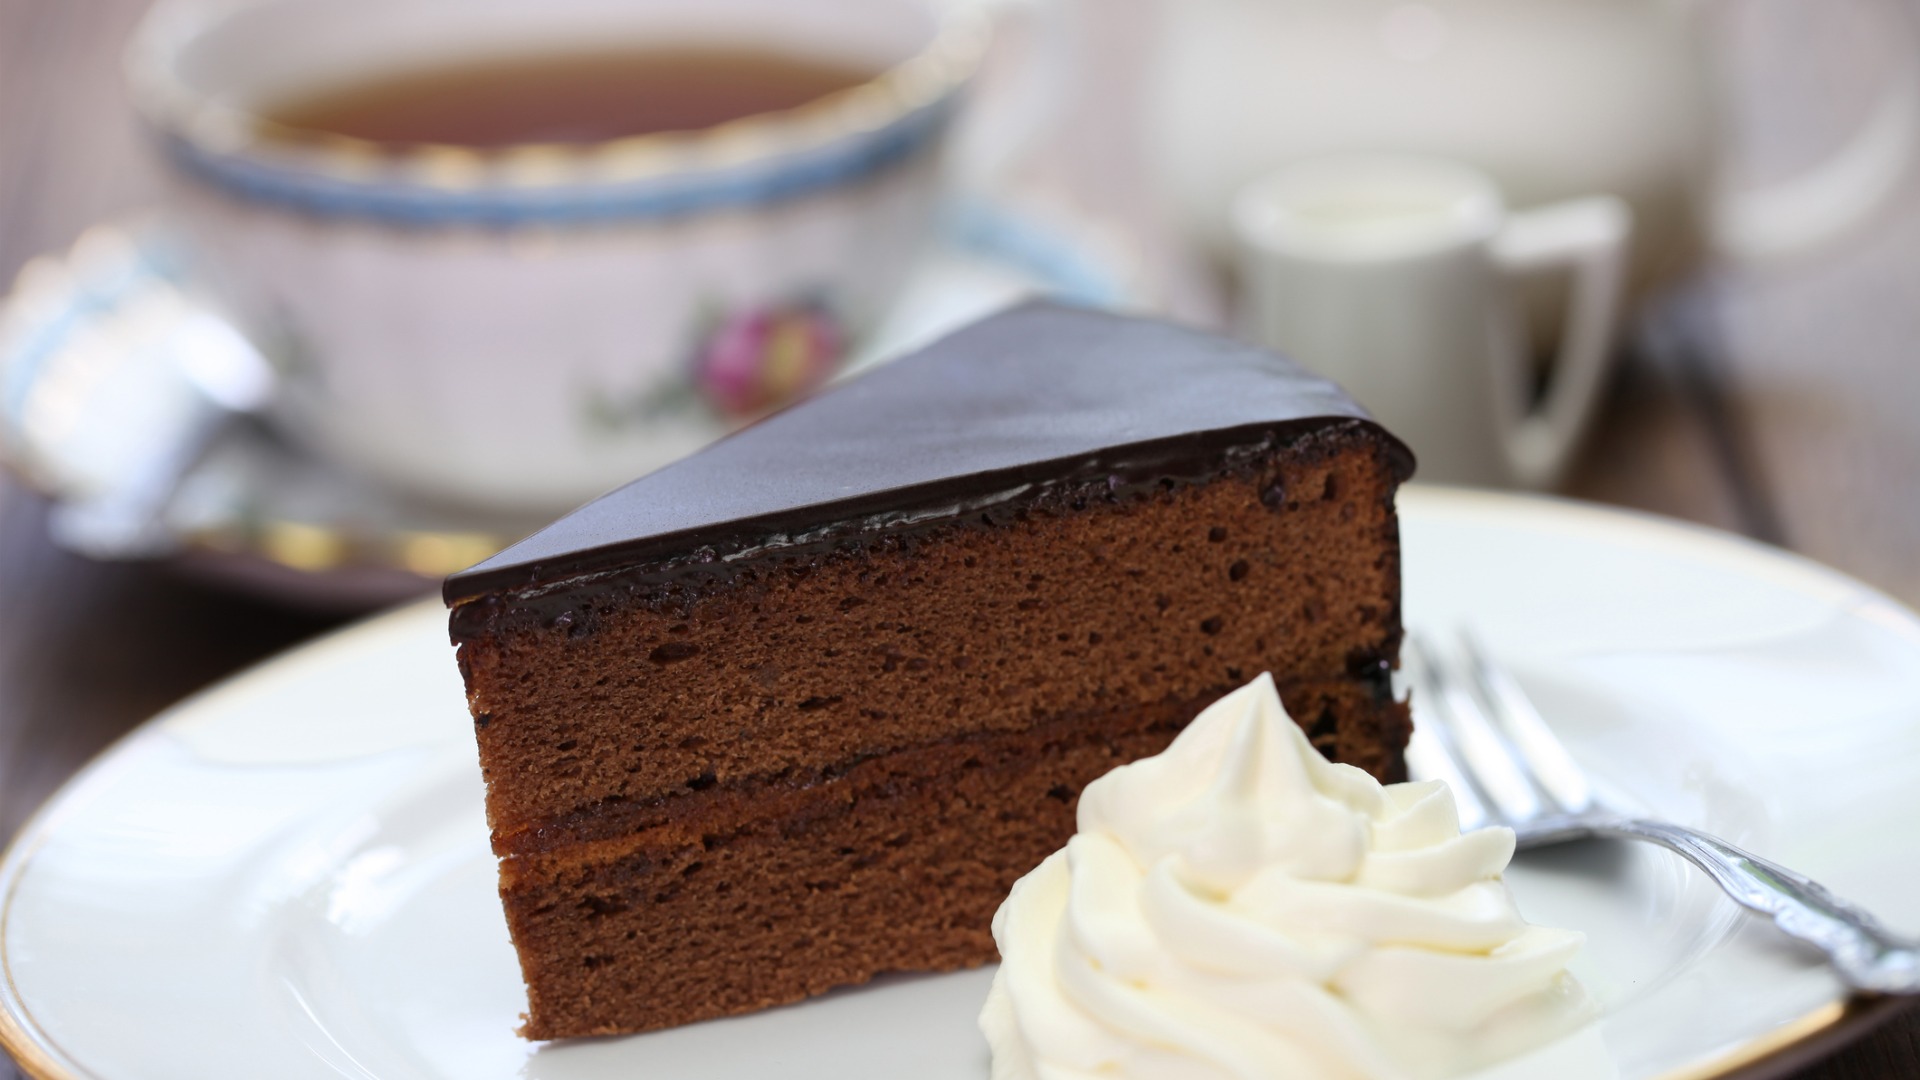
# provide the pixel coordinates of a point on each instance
(131, 406)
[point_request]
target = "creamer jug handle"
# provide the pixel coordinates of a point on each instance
(1586, 238)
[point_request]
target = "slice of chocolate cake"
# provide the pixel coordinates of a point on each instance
(799, 709)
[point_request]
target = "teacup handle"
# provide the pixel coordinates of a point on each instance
(986, 154)
(1856, 181)
(1587, 238)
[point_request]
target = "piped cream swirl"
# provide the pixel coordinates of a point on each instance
(1239, 907)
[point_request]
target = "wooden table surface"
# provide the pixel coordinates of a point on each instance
(1799, 428)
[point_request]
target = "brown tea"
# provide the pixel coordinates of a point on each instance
(572, 97)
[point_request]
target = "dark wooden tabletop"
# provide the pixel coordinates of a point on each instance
(1789, 416)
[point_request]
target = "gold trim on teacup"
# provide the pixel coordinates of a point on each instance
(220, 128)
(437, 554)
(313, 547)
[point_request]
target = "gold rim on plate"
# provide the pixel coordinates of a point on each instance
(1789, 1045)
(1824, 1028)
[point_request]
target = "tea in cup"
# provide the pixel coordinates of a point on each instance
(515, 254)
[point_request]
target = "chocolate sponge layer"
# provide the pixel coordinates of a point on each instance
(713, 793)
(756, 899)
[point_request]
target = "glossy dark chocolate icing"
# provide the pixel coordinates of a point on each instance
(1033, 396)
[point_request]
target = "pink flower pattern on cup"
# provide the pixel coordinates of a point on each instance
(760, 359)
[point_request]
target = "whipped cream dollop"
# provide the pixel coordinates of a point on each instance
(1239, 907)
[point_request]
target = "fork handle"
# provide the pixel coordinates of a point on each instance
(1869, 958)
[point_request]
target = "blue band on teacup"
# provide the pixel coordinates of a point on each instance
(767, 180)
(1066, 270)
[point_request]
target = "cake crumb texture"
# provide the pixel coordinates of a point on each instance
(815, 769)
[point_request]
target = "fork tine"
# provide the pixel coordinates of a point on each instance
(1429, 753)
(1482, 750)
(1429, 758)
(1552, 766)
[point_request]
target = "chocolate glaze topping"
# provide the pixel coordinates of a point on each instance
(1002, 411)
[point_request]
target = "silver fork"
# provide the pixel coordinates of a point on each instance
(1506, 767)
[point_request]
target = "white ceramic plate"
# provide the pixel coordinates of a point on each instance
(288, 876)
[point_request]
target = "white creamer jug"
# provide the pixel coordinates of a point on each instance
(1554, 99)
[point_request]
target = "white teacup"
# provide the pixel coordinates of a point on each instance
(525, 328)
(1399, 278)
